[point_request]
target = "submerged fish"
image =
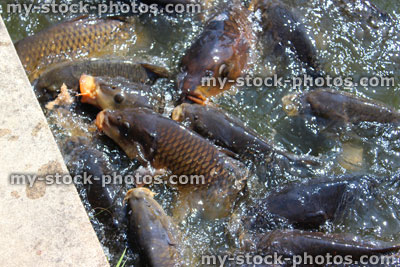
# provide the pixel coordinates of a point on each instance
(221, 51)
(70, 72)
(287, 30)
(296, 242)
(229, 132)
(106, 199)
(80, 37)
(338, 106)
(363, 10)
(306, 206)
(117, 93)
(351, 157)
(152, 231)
(167, 145)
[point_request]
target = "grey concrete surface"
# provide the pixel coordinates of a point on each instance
(45, 225)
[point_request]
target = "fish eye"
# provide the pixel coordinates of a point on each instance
(118, 98)
(126, 124)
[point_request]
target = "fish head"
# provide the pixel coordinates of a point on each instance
(192, 113)
(213, 62)
(140, 192)
(130, 129)
(107, 93)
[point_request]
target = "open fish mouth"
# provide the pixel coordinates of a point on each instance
(89, 89)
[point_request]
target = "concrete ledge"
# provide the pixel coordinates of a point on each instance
(42, 225)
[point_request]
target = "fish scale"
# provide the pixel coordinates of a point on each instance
(152, 230)
(68, 40)
(221, 50)
(181, 151)
(168, 145)
(339, 107)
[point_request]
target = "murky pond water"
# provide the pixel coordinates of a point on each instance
(349, 44)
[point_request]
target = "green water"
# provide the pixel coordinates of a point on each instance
(347, 46)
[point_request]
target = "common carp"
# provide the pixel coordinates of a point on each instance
(117, 93)
(341, 107)
(221, 51)
(70, 72)
(231, 133)
(165, 144)
(152, 231)
(296, 242)
(306, 206)
(80, 37)
(287, 30)
(363, 10)
(106, 200)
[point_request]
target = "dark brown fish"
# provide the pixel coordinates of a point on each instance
(104, 198)
(221, 51)
(338, 106)
(80, 37)
(167, 145)
(363, 10)
(70, 72)
(306, 206)
(152, 231)
(231, 133)
(287, 30)
(296, 242)
(117, 93)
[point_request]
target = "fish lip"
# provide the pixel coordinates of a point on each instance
(189, 84)
(178, 113)
(193, 92)
(129, 195)
(197, 98)
(101, 120)
(138, 193)
(104, 123)
(192, 89)
(89, 96)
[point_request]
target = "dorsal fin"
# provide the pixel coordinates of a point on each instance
(159, 72)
